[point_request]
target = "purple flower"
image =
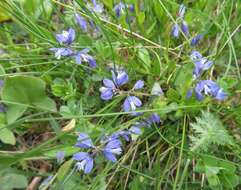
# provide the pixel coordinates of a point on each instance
(110, 86)
(210, 88)
(201, 64)
(81, 22)
(135, 130)
(119, 9)
(84, 141)
(98, 8)
(138, 85)
(84, 161)
(121, 78)
(2, 108)
(67, 37)
(175, 31)
(1, 83)
(60, 156)
(83, 56)
(132, 8)
(131, 103)
(59, 52)
(185, 28)
(182, 10)
(189, 93)
(154, 118)
(196, 39)
(124, 134)
(111, 149)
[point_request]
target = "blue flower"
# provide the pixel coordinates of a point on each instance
(123, 133)
(110, 86)
(1, 83)
(59, 52)
(185, 28)
(98, 8)
(60, 156)
(121, 78)
(111, 149)
(182, 10)
(210, 88)
(83, 56)
(132, 8)
(201, 63)
(81, 22)
(175, 31)
(196, 39)
(2, 108)
(85, 162)
(131, 103)
(119, 9)
(135, 130)
(67, 37)
(84, 141)
(138, 85)
(154, 119)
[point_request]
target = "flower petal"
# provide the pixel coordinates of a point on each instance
(84, 141)
(138, 85)
(106, 93)
(175, 31)
(81, 22)
(135, 130)
(196, 39)
(122, 78)
(89, 165)
(185, 28)
(109, 83)
(80, 156)
(127, 105)
(110, 156)
(136, 101)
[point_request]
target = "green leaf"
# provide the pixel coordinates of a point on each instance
(141, 17)
(63, 170)
(12, 181)
(209, 130)
(3, 15)
(145, 57)
(6, 135)
(108, 3)
(22, 92)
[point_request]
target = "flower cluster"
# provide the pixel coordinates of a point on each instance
(65, 39)
(176, 28)
(201, 63)
(110, 146)
(210, 88)
(113, 87)
(184, 26)
(203, 87)
(120, 8)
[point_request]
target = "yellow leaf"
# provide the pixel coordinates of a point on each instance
(3, 16)
(69, 126)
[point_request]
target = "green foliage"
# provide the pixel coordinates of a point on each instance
(6, 135)
(207, 131)
(23, 92)
(33, 130)
(220, 174)
(11, 181)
